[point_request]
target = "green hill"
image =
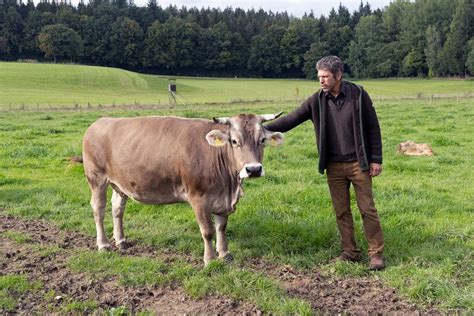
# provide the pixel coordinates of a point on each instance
(42, 85)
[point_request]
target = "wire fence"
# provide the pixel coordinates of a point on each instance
(137, 105)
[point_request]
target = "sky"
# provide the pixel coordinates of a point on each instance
(295, 7)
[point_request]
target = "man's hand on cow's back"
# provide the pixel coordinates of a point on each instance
(375, 169)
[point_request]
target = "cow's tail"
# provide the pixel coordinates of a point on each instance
(73, 161)
(76, 159)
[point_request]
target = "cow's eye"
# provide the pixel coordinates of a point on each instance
(235, 142)
(262, 141)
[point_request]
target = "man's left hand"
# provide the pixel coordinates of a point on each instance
(375, 169)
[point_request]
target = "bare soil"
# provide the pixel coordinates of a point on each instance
(326, 295)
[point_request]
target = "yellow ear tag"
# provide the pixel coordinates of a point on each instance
(218, 142)
(273, 142)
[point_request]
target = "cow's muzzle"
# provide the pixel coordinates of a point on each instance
(251, 170)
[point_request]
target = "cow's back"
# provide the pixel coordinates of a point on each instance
(151, 159)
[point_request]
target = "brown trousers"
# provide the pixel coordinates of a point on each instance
(340, 176)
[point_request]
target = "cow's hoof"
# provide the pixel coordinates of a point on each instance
(209, 261)
(124, 245)
(105, 248)
(228, 258)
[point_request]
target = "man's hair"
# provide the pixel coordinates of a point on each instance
(332, 63)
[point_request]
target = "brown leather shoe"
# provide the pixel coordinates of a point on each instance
(376, 263)
(347, 258)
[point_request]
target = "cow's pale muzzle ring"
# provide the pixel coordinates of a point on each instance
(252, 170)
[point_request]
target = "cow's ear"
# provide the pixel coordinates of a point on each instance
(274, 138)
(217, 138)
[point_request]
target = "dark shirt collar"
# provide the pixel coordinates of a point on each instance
(342, 93)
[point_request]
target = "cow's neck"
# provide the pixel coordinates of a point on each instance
(228, 173)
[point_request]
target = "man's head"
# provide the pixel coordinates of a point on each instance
(330, 70)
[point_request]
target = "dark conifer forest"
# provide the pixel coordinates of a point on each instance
(423, 38)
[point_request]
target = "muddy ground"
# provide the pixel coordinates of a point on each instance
(326, 295)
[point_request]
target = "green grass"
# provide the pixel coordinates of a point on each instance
(55, 85)
(17, 237)
(118, 311)
(345, 269)
(244, 285)
(74, 307)
(216, 278)
(425, 203)
(68, 305)
(131, 271)
(11, 286)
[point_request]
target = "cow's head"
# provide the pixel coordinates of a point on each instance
(246, 137)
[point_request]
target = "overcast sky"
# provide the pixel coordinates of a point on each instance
(295, 7)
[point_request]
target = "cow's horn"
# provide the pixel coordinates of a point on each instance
(269, 117)
(222, 120)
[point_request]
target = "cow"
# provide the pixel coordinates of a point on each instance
(411, 148)
(163, 160)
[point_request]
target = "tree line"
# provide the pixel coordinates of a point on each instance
(427, 38)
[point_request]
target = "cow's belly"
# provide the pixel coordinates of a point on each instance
(218, 199)
(163, 195)
(157, 199)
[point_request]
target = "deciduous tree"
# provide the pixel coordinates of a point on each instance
(58, 42)
(316, 52)
(125, 38)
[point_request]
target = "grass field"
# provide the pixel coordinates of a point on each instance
(425, 203)
(23, 85)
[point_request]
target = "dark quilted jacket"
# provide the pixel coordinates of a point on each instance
(368, 139)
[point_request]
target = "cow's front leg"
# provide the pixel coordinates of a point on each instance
(206, 226)
(118, 206)
(221, 242)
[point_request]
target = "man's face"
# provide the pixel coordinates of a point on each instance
(328, 80)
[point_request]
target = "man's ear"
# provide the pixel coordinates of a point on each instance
(217, 138)
(274, 138)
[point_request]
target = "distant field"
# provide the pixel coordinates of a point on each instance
(54, 85)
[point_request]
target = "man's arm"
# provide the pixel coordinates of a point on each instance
(372, 130)
(293, 119)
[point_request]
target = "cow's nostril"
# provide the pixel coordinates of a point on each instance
(254, 169)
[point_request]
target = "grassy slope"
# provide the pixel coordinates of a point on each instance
(47, 85)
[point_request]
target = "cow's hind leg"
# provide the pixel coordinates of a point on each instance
(118, 206)
(98, 202)
(221, 242)
(206, 226)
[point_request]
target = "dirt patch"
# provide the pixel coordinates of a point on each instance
(61, 286)
(365, 295)
(348, 295)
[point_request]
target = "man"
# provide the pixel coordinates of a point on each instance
(350, 150)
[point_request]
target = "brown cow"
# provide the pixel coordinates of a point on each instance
(162, 160)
